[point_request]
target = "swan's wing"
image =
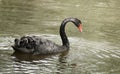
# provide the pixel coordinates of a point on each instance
(22, 49)
(44, 46)
(24, 44)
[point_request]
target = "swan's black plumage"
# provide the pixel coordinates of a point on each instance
(36, 45)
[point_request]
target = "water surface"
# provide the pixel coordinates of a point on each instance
(94, 51)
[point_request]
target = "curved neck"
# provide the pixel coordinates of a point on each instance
(64, 38)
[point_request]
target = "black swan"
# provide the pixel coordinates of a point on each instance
(36, 45)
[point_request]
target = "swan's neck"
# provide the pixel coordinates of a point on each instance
(64, 38)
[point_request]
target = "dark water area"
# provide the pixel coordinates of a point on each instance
(94, 51)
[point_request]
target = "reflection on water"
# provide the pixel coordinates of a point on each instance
(94, 51)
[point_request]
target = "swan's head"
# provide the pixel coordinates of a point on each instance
(78, 23)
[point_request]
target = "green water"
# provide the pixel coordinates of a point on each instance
(94, 51)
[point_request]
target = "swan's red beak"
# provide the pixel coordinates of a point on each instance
(80, 28)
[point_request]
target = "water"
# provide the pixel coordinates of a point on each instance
(94, 51)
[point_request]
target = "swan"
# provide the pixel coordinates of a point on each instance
(36, 45)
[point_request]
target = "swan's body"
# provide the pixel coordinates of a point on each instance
(37, 45)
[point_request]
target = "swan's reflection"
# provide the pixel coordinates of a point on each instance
(29, 57)
(40, 62)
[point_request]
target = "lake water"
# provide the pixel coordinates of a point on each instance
(94, 51)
